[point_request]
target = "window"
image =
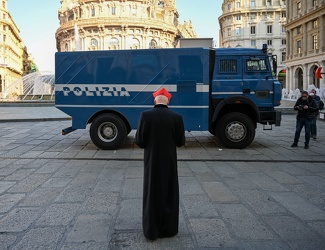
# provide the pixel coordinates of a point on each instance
(253, 43)
(269, 2)
(71, 17)
(299, 30)
(269, 29)
(134, 10)
(253, 30)
(256, 65)
(298, 8)
(93, 42)
(161, 4)
(4, 4)
(237, 4)
(283, 14)
(238, 17)
(229, 6)
(314, 3)
(229, 32)
(153, 44)
(269, 42)
(253, 4)
(299, 46)
(283, 29)
(315, 41)
(253, 16)
(238, 31)
(315, 23)
(114, 43)
(113, 10)
(284, 41)
(283, 56)
(228, 66)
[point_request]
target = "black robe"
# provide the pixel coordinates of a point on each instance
(160, 130)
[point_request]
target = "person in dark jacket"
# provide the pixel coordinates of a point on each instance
(306, 108)
(160, 131)
(313, 128)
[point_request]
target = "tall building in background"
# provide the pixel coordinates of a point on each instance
(121, 24)
(11, 50)
(252, 23)
(305, 43)
(15, 61)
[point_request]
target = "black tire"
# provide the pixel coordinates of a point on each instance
(108, 131)
(235, 130)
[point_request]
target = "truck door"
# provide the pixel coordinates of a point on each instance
(258, 80)
(227, 78)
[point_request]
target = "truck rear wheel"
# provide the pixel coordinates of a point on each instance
(108, 131)
(235, 130)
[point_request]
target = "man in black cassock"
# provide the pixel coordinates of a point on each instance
(160, 130)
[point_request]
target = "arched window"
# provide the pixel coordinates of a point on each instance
(93, 44)
(114, 43)
(135, 44)
(71, 17)
(66, 47)
(153, 44)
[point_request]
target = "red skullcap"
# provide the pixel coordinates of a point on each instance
(164, 92)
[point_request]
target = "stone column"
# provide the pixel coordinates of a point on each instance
(288, 45)
(322, 80)
(305, 76)
(321, 34)
(288, 80)
(305, 40)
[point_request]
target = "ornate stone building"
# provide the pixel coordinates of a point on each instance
(305, 43)
(119, 24)
(252, 23)
(11, 50)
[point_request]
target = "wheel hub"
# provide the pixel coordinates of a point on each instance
(235, 131)
(107, 131)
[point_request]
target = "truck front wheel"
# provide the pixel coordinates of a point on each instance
(108, 131)
(235, 130)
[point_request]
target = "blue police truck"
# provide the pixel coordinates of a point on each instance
(225, 91)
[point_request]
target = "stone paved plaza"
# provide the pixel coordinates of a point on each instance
(61, 192)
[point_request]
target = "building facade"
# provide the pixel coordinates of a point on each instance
(119, 24)
(252, 23)
(305, 43)
(11, 50)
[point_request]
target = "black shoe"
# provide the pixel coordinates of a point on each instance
(294, 145)
(306, 146)
(314, 137)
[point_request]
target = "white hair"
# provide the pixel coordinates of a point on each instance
(161, 99)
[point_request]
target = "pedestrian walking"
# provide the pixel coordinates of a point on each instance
(313, 130)
(306, 108)
(159, 132)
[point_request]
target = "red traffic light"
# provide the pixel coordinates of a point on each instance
(318, 73)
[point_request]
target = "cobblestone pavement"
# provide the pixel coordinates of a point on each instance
(61, 192)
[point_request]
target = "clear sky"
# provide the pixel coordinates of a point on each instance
(38, 22)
